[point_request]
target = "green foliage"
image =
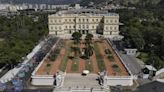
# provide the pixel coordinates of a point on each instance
(76, 37)
(99, 58)
(89, 51)
(88, 65)
(54, 54)
(110, 57)
(144, 26)
(20, 34)
(63, 63)
(48, 64)
(115, 66)
(75, 64)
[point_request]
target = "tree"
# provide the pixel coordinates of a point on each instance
(88, 38)
(88, 51)
(89, 48)
(76, 37)
(137, 38)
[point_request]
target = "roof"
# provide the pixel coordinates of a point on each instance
(149, 67)
(160, 71)
(93, 12)
(154, 86)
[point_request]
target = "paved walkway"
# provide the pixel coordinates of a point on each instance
(77, 80)
(131, 63)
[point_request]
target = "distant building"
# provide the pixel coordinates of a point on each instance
(64, 23)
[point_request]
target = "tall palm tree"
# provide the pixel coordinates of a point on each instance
(76, 37)
(88, 38)
(88, 51)
(89, 48)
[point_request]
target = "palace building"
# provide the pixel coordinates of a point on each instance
(64, 23)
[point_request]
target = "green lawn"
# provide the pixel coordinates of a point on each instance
(75, 64)
(100, 61)
(88, 65)
(54, 54)
(63, 63)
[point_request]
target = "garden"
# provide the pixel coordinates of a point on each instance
(76, 54)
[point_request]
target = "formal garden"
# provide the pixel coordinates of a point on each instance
(76, 54)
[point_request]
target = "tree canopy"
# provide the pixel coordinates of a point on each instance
(20, 34)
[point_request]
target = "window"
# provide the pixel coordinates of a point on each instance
(87, 26)
(83, 26)
(59, 21)
(106, 21)
(51, 21)
(69, 26)
(83, 20)
(115, 28)
(74, 26)
(97, 20)
(87, 20)
(66, 27)
(115, 21)
(110, 33)
(111, 21)
(93, 20)
(106, 28)
(65, 20)
(79, 26)
(93, 27)
(59, 27)
(111, 28)
(79, 20)
(55, 27)
(69, 20)
(55, 21)
(51, 28)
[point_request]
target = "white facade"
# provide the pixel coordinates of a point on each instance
(64, 23)
(118, 80)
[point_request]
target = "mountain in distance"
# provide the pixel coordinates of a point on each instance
(40, 1)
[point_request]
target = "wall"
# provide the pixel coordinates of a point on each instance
(65, 23)
(118, 80)
(46, 80)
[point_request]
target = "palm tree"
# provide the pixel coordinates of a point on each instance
(88, 38)
(88, 51)
(89, 48)
(76, 37)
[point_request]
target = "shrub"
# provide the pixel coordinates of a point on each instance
(115, 66)
(110, 57)
(48, 65)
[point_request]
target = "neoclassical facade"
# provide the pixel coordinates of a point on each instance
(64, 23)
